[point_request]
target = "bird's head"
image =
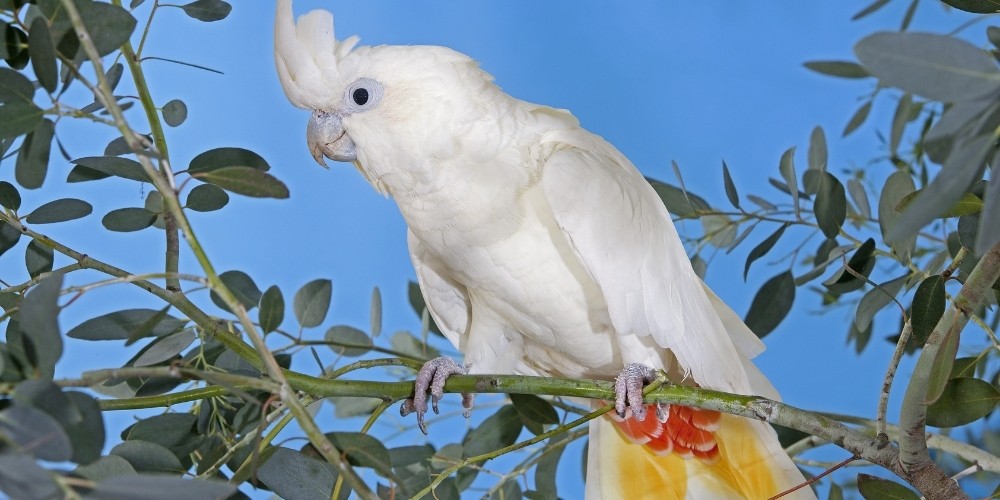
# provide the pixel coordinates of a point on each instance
(382, 108)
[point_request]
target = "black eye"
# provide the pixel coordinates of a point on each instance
(360, 96)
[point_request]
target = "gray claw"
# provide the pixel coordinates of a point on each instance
(432, 377)
(628, 391)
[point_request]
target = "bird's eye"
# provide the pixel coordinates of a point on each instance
(362, 95)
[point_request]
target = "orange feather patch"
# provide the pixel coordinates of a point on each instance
(687, 432)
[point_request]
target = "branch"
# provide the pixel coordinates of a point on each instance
(914, 457)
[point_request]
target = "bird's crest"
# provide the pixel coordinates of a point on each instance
(309, 57)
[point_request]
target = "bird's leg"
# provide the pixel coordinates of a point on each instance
(432, 377)
(628, 392)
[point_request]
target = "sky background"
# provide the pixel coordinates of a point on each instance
(691, 82)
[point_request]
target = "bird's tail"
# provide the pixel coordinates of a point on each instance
(695, 454)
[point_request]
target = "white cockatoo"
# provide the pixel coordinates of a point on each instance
(540, 250)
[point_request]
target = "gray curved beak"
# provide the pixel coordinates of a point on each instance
(327, 138)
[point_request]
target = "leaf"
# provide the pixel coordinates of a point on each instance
(928, 307)
(33, 158)
(348, 341)
(109, 26)
(876, 299)
(61, 210)
(963, 401)
(407, 344)
(105, 467)
(787, 168)
(416, 299)
(15, 87)
(17, 118)
(362, 450)
(545, 472)
(121, 325)
(174, 112)
(272, 309)
(158, 487)
(721, 231)
(148, 457)
(33, 431)
(830, 206)
(509, 490)
(896, 187)
(87, 434)
(989, 220)
(497, 431)
(206, 198)
(401, 456)
(128, 219)
(762, 248)
(290, 474)
(167, 430)
(817, 149)
(771, 304)
(9, 236)
(9, 197)
(21, 477)
(247, 181)
(112, 165)
(208, 10)
(975, 6)
(39, 318)
(899, 120)
(38, 258)
(876, 488)
(534, 409)
(312, 301)
(375, 315)
(346, 406)
(17, 43)
(677, 201)
(43, 54)
(861, 262)
(731, 193)
(841, 69)
(217, 158)
(243, 288)
(860, 197)
(937, 67)
(941, 366)
(165, 348)
(857, 119)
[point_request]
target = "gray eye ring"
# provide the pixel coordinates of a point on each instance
(362, 95)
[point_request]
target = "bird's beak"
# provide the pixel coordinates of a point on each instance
(327, 138)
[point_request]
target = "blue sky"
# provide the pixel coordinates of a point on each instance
(691, 82)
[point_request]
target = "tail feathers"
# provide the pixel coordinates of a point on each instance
(747, 461)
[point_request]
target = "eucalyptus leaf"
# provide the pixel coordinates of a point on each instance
(43, 54)
(787, 168)
(534, 409)
(362, 450)
(876, 488)
(247, 181)
(121, 325)
(105, 467)
(145, 456)
(897, 186)
(9, 197)
(348, 341)
(21, 477)
(165, 348)
(841, 69)
(771, 304)
(858, 118)
(312, 302)
(988, 234)
(206, 198)
(38, 258)
(291, 474)
(243, 288)
(876, 299)
(114, 165)
(928, 307)
(975, 6)
(174, 112)
(497, 431)
(860, 197)
(158, 487)
(39, 318)
(830, 206)
(33, 431)
(17, 118)
(128, 219)
(33, 158)
(272, 309)
(817, 149)
(731, 192)
(762, 248)
(208, 10)
(217, 158)
(15, 87)
(963, 401)
(678, 201)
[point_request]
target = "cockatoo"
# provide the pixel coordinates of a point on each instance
(540, 250)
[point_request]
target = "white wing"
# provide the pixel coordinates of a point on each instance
(445, 298)
(625, 238)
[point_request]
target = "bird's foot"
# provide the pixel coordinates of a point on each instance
(432, 377)
(628, 392)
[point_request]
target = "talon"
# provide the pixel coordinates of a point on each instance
(432, 377)
(628, 391)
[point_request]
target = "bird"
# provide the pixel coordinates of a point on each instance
(540, 250)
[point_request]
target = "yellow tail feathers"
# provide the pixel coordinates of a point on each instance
(750, 464)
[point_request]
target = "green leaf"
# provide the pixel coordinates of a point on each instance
(175, 112)
(841, 69)
(208, 10)
(312, 302)
(348, 341)
(112, 165)
(128, 219)
(33, 158)
(497, 431)
(899, 120)
(860, 197)
(762, 248)
(928, 307)
(105, 467)
(988, 234)
(938, 67)
(61, 210)
(206, 198)
(719, 229)
(787, 168)
(217, 158)
(975, 6)
(165, 348)
(9, 197)
(158, 487)
(21, 477)
(771, 304)
(9, 236)
(86, 434)
(534, 409)
(290, 474)
(401, 456)
(409, 345)
(817, 149)
(416, 299)
(121, 325)
(243, 288)
(941, 366)
(876, 488)
(678, 202)
(509, 490)
(109, 26)
(830, 206)
(963, 401)
(545, 472)
(362, 450)
(17, 47)
(167, 430)
(43, 54)
(39, 318)
(33, 431)
(857, 119)
(17, 118)
(731, 192)
(345, 407)
(876, 299)
(896, 187)
(148, 457)
(375, 315)
(15, 87)
(272, 309)
(247, 181)
(38, 258)
(861, 262)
